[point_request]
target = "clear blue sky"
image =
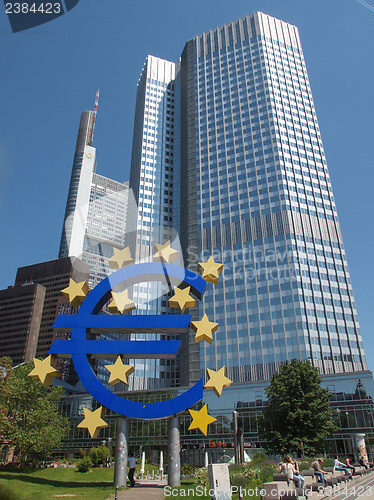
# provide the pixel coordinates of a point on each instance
(50, 75)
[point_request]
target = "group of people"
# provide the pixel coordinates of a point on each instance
(348, 469)
(290, 467)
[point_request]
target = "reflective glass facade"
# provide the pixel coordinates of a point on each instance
(154, 160)
(228, 153)
(264, 205)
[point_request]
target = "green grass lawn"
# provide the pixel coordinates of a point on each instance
(45, 484)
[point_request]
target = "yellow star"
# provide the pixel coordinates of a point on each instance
(217, 381)
(119, 372)
(165, 253)
(204, 329)
(121, 303)
(93, 421)
(201, 420)
(120, 258)
(76, 292)
(210, 270)
(45, 370)
(181, 299)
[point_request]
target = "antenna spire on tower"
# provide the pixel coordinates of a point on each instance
(95, 113)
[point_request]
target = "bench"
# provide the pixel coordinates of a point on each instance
(281, 488)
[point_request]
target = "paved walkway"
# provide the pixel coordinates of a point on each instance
(143, 489)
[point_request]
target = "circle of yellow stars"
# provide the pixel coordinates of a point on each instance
(45, 370)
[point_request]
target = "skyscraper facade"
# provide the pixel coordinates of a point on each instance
(30, 307)
(153, 163)
(250, 186)
(84, 165)
(105, 225)
(21, 310)
(255, 173)
(96, 208)
(228, 161)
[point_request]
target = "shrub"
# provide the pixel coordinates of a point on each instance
(98, 455)
(84, 464)
(259, 457)
(267, 471)
(239, 481)
(94, 456)
(188, 469)
(201, 476)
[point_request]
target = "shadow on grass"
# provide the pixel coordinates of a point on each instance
(149, 485)
(51, 482)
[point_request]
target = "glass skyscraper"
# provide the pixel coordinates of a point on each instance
(256, 176)
(96, 208)
(154, 162)
(227, 150)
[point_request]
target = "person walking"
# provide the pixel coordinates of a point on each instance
(132, 463)
(318, 471)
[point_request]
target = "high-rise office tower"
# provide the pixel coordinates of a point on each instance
(19, 332)
(153, 163)
(96, 208)
(255, 173)
(105, 225)
(29, 308)
(250, 186)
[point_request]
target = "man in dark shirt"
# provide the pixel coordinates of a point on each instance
(318, 472)
(131, 469)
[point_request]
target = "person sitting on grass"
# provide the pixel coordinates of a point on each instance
(318, 471)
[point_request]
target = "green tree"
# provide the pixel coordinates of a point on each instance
(298, 417)
(5, 369)
(98, 455)
(34, 425)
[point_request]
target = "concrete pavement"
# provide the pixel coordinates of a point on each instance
(152, 490)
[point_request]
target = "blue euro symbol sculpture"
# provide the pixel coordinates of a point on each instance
(87, 318)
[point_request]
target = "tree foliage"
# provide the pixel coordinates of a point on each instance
(5, 369)
(33, 424)
(298, 417)
(99, 454)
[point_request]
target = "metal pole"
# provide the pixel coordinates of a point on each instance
(241, 444)
(174, 462)
(120, 465)
(235, 430)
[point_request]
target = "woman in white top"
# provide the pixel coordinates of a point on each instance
(288, 468)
